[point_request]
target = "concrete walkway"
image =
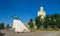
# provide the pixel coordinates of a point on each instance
(40, 33)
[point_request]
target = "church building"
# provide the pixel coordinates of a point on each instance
(42, 13)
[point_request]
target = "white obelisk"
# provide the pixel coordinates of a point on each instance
(19, 26)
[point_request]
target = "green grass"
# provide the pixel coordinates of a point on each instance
(37, 29)
(44, 29)
(50, 29)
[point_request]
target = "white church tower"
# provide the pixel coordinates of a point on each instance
(42, 13)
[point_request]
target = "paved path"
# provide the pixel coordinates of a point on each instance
(40, 33)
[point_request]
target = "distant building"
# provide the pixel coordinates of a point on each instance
(42, 13)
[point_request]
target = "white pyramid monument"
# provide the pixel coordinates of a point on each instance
(19, 26)
(42, 13)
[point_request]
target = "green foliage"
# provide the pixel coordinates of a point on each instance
(50, 22)
(1, 25)
(7, 26)
(31, 23)
(38, 21)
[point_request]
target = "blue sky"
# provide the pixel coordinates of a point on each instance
(26, 9)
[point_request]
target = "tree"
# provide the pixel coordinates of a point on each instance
(1, 25)
(57, 20)
(7, 26)
(38, 21)
(46, 23)
(31, 23)
(49, 22)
